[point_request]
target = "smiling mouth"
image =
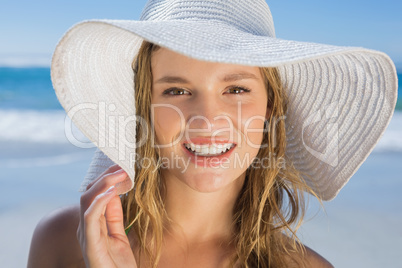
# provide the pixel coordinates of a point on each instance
(209, 150)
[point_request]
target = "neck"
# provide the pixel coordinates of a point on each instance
(199, 217)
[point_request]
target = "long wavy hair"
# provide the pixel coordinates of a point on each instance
(270, 205)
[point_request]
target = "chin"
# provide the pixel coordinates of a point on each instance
(210, 183)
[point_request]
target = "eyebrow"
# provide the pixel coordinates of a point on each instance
(239, 76)
(172, 80)
(227, 78)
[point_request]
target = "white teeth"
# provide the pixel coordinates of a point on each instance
(209, 149)
(204, 150)
(213, 150)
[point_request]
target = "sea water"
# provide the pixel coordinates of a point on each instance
(32, 122)
(29, 109)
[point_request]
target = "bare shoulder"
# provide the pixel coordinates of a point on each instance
(311, 258)
(54, 242)
(315, 260)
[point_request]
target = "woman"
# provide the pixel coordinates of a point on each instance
(228, 134)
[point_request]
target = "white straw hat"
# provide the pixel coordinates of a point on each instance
(341, 99)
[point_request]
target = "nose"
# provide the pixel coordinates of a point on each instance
(208, 113)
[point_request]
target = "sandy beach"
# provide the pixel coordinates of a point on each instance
(41, 184)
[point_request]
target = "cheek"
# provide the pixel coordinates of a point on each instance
(253, 125)
(168, 122)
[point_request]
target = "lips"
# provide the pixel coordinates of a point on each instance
(208, 151)
(198, 157)
(208, 140)
(208, 146)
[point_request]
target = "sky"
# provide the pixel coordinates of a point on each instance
(30, 30)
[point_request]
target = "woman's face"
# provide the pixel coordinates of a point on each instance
(208, 119)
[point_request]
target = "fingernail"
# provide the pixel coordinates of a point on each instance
(119, 171)
(110, 190)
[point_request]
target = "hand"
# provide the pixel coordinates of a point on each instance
(101, 231)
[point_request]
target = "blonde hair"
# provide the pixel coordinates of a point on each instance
(269, 208)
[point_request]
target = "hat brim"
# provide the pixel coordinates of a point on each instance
(341, 99)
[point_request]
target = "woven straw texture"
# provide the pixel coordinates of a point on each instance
(341, 99)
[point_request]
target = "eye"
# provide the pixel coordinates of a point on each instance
(237, 90)
(175, 92)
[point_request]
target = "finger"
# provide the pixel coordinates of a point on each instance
(111, 169)
(124, 186)
(94, 216)
(99, 187)
(102, 185)
(114, 218)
